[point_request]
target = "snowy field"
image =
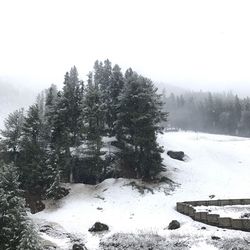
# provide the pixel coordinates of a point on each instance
(217, 165)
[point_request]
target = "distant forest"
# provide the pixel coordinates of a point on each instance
(208, 112)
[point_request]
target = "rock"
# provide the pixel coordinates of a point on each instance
(62, 192)
(174, 224)
(203, 228)
(45, 228)
(48, 245)
(177, 155)
(211, 196)
(78, 247)
(215, 238)
(245, 216)
(99, 227)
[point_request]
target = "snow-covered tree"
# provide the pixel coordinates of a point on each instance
(54, 191)
(138, 124)
(68, 122)
(116, 86)
(32, 163)
(29, 239)
(13, 219)
(93, 118)
(12, 134)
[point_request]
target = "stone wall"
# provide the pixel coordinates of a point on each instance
(188, 208)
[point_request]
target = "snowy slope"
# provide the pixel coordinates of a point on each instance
(217, 165)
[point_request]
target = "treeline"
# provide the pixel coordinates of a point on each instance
(209, 112)
(86, 132)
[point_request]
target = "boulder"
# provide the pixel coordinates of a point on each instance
(174, 224)
(177, 155)
(45, 228)
(215, 238)
(99, 227)
(62, 192)
(245, 216)
(78, 247)
(211, 196)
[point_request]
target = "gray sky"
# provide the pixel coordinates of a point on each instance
(194, 44)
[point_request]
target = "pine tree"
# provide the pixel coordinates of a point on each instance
(12, 134)
(68, 122)
(52, 164)
(116, 86)
(236, 115)
(210, 113)
(93, 117)
(110, 82)
(50, 111)
(13, 218)
(33, 152)
(29, 239)
(54, 191)
(138, 124)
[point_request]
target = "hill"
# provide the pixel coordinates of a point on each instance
(216, 165)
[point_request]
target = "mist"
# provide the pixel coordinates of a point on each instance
(194, 45)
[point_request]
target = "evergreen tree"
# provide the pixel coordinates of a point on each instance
(110, 82)
(236, 115)
(245, 123)
(93, 117)
(29, 239)
(68, 122)
(210, 113)
(13, 219)
(33, 153)
(52, 163)
(12, 134)
(138, 124)
(50, 110)
(54, 191)
(116, 86)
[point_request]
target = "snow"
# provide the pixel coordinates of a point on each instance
(203, 245)
(217, 165)
(58, 242)
(234, 212)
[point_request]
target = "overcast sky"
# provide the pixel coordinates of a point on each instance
(194, 44)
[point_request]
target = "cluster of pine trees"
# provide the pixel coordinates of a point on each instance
(86, 132)
(207, 112)
(63, 136)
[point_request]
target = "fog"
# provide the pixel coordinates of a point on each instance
(199, 45)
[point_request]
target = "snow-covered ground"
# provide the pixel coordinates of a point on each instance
(234, 212)
(217, 165)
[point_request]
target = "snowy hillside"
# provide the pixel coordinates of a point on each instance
(216, 165)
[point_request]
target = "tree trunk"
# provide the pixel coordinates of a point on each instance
(69, 165)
